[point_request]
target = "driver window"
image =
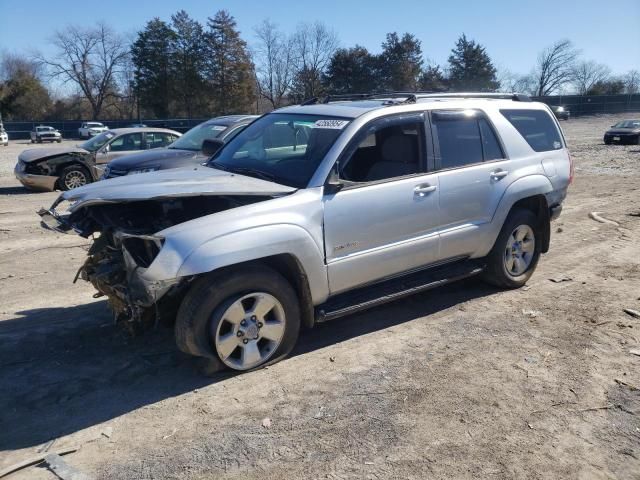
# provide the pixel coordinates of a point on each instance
(125, 143)
(386, 152)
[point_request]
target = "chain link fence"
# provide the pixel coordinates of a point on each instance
(580, 105)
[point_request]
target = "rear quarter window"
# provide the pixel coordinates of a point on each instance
(536, 127)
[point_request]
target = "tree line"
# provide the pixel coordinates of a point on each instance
(183, 68)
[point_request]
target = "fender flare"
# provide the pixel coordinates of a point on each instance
(247, 245)
(525, 187)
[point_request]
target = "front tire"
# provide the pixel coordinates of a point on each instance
(73, 176)
(245, 317)
(516, 252)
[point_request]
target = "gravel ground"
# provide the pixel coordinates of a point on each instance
(461, 382)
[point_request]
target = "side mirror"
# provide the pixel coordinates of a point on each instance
(104, 150)
(333, 183)
(211, 146)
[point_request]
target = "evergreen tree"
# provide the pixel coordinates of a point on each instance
(351, 70)
(433, 79)
(188, 65)
(400, 62)
(152, 54)
(470, 68)
(229, 69)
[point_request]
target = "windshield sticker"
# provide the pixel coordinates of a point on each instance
(218, 128)
(327, 123)
(109, 135)
(557, 145)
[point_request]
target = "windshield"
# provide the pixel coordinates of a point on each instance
(98, 141)
(628, 124)
(283, 148)
(192, 140)
(90, 125)
(44, 129)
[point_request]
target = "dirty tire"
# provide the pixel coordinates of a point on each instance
(201, 310)
(73, 176)
(496, 272)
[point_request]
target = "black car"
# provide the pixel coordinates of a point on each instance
(184, 152)
(624, 132)
(561, 112)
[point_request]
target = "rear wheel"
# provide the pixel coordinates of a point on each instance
(73, 176)
(515, 254)
(246, 318)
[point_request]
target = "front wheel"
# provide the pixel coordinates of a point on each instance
(73, 176)
(515, 254)
(247, 317)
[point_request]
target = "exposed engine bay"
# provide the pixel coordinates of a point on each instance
(125, 245)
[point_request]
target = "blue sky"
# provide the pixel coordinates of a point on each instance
(512, 32)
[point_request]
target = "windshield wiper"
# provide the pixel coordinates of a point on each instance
(250, 172)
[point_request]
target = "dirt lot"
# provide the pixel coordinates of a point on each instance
(462, 382)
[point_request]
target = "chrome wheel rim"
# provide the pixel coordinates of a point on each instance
(250, 331)
(74, 179)
(519, 250)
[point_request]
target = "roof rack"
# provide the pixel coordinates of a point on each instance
(412, 97)
(516, 97)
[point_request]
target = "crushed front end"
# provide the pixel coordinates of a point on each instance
(125, 246)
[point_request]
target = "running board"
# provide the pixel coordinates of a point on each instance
(395, 288)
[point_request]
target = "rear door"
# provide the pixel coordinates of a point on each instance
(473, 175)
(385, 220)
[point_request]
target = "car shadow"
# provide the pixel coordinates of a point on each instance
(66, 369)
(16, 191)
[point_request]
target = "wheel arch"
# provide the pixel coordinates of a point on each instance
(529, 193)
(286, 248)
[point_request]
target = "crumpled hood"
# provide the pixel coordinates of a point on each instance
(158, 156)
(171, 183)
(33, 154)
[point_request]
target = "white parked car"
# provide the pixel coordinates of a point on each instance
(4, 138)
(91, 129)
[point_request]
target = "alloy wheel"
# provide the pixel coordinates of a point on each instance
(520, 250)
(250, 330)
(75, 179)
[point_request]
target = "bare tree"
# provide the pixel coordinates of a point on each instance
(91, 59)
(555, 67)
(275, 63)
(632, 81)
(587, 73)
(315, 44)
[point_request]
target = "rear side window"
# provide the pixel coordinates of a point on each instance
(537, 128)
(464, 138)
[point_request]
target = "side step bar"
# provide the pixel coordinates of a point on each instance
(389, 290)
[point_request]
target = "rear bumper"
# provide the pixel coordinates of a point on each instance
(41, 183)
(554, 212)
(622, 139)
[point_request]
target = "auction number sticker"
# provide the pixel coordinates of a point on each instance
(330, 123)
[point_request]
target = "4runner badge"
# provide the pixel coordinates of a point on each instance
(338, 248)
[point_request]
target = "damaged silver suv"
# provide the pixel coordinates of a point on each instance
(320, 210)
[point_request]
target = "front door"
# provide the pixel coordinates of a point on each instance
(385, 219)
(120, 146)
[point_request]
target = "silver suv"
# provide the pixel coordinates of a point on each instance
(319, 210)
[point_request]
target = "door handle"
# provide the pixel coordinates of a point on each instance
(422, 190)
(499, 174)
